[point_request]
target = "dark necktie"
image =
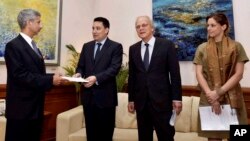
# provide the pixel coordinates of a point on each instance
(98, 50)
(146, 57)
(35, 48)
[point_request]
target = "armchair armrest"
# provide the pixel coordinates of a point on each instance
(68, 122)
(2, 128)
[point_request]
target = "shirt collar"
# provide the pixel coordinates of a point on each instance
(151, 42)
(26, 38)
(103, 41)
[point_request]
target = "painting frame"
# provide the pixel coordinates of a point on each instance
(184, 22)
(51, 17)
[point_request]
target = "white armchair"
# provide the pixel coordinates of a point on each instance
(71, 125)
(2, 128)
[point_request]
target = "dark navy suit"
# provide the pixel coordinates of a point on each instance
(27, 82)
(100, 100)
(153, 90)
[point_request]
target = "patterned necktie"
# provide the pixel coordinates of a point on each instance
(146, 57)
(97, 52)
(35, 48)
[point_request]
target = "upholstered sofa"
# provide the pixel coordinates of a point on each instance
(71, 127)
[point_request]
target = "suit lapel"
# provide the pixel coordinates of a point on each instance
(156, 50)
(138, 56)
(31, 52)
(91, 51)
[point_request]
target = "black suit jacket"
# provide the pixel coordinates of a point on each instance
(26, 81)
(161, 83)
(105, 67)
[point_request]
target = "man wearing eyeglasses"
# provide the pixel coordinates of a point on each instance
(154, 83)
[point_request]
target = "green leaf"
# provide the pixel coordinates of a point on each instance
(122, 78)
(71, 67)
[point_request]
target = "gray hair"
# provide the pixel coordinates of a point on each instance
(150, 21)
(26, 15)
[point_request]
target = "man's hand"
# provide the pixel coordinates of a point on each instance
(92, 81)
(57, 79)
(77, 75)
(177, 106)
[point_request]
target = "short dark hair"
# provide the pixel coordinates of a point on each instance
(104, 21)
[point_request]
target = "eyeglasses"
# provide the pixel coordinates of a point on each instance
(141, 26)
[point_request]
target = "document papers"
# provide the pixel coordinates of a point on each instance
(75, 79)
(211, 121)
(173, 118)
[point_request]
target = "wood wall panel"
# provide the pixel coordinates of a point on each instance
(2, 91)
(62, 98)
(59, 99)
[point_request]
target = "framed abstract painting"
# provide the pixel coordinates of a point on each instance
(184, 22)
(48, 40)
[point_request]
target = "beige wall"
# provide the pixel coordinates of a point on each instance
(77, 19)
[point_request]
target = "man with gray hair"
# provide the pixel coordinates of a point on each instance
(27, 81)
(154, 83)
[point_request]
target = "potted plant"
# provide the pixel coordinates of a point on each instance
(71, 67)
(122, 78)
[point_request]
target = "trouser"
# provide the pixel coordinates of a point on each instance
(149, 119)
(100, 123)
(23, 130)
